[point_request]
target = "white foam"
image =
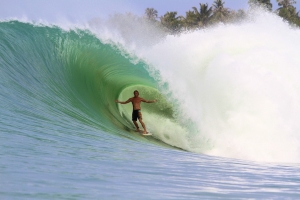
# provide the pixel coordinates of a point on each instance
(239, 85)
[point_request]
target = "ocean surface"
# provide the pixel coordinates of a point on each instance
(226, 124)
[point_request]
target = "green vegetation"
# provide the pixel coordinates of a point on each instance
(288, 12)
(206, 15)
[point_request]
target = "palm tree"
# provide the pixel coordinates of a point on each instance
(287, 11)
(151, 13)
(265, 3)
(298, 19)
(219, 12)
(190, 21)
(171, 22)
(203, 15)
(286, 3)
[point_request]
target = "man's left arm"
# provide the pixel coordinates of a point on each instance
(149, 101)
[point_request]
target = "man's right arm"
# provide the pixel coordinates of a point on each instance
(123, 102)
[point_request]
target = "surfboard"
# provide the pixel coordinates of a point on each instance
(147, 134)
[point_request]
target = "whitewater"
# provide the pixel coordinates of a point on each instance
(225, 125)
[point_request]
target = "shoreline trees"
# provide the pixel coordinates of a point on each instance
(217, 13)
(288, 12)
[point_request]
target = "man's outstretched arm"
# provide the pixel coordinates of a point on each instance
(149, 101)
(123, 102)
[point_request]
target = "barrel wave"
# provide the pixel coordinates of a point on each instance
(223, 91)
(67, 80)
(226, 123)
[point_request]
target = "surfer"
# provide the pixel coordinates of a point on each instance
(136, 113)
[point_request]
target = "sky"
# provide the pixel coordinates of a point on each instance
(78, 10)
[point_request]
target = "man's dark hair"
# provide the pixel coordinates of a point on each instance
(136, 91)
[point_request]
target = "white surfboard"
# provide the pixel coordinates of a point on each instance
(147, 134)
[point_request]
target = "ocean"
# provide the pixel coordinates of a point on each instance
(226, 124)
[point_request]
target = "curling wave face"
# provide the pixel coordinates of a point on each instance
(230, 90)
(70, 79)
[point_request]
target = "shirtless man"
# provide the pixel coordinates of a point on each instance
(136, 113)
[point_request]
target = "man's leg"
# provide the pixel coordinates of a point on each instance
(143, 125)
(140, 116)
(137, 126)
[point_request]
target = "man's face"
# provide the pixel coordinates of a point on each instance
(136, 94)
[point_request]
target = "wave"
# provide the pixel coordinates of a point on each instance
(237, 85)
(230, 90)
(71, 75)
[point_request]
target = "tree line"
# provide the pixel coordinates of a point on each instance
(206, 15)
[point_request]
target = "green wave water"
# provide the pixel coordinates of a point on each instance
(64, 80)
(72, 76)
(62, 136)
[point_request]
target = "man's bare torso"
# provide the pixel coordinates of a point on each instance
(136, 102)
